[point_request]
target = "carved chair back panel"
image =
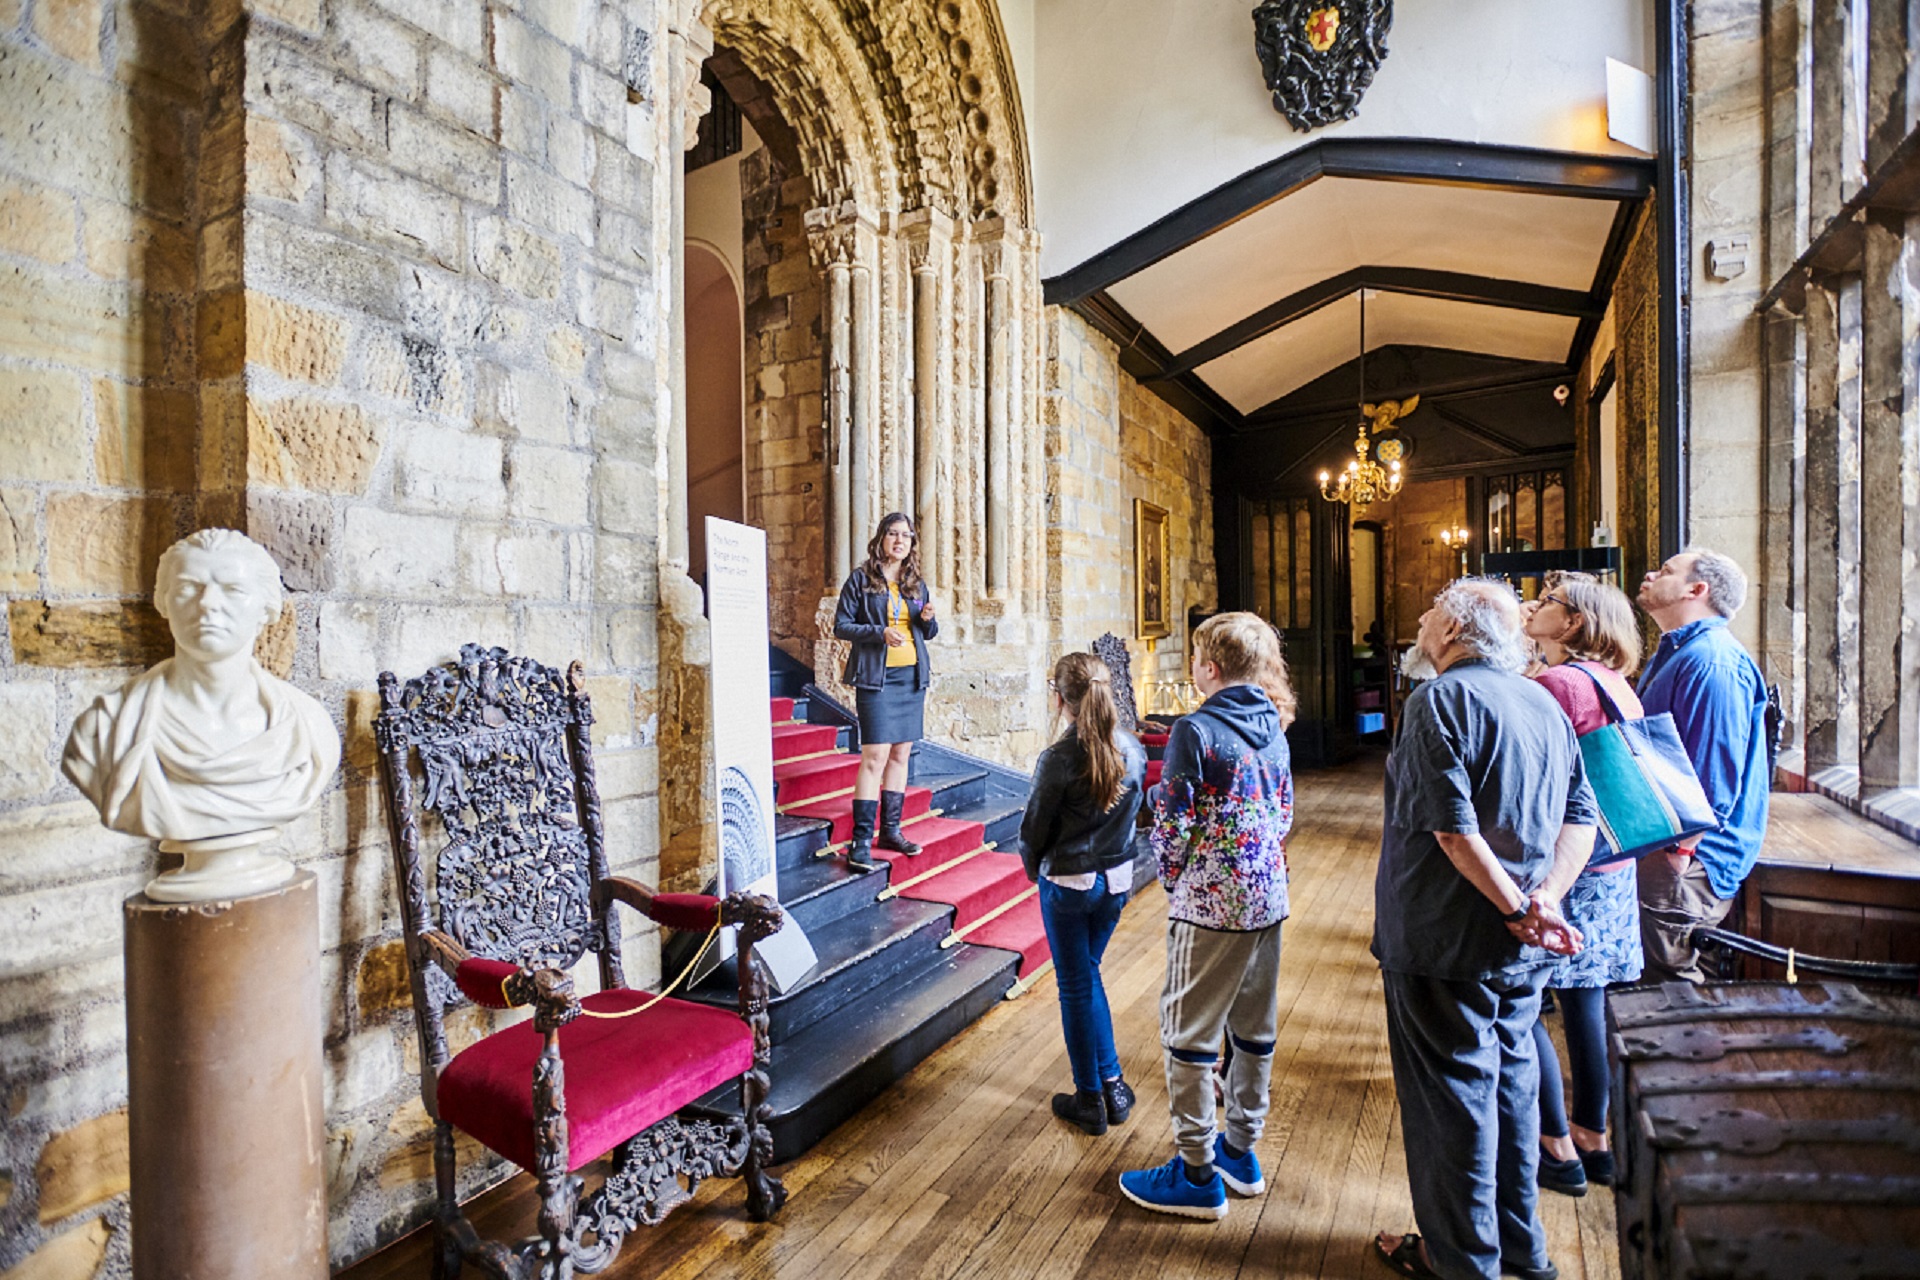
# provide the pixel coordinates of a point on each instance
(514, 878)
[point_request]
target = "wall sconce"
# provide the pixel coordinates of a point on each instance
(1455, 538)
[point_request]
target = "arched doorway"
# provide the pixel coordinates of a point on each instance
(715, 399)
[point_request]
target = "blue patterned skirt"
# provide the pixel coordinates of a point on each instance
(1605, 907)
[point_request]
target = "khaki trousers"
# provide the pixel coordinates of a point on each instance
(1672, 903)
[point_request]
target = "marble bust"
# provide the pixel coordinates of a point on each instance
(208, 752)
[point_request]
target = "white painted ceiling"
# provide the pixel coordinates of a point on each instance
(1290, 357)
(1337, 224)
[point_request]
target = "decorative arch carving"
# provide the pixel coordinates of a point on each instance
(893, 104)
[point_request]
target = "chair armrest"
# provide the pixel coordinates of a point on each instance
(755, 915)
(496, 984)
(692, 912)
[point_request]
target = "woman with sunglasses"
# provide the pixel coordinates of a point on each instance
(887, 613)
(1586, 636)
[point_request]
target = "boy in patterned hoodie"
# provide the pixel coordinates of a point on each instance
(1221, 816)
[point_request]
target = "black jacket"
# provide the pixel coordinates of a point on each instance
(862, 618)
(1063, 833)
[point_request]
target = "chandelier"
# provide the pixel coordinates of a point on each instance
(1365, 481)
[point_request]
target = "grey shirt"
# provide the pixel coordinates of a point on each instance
(1480, 751)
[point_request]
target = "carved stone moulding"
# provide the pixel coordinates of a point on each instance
(1319, 56)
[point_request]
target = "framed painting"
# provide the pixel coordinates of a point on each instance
(1152, 608)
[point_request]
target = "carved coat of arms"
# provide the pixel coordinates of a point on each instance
(1319, 57)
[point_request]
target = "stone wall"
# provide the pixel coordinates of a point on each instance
(375, 283)
(1728, 508)
(1415, 563)
(785, 458)
(1109, 441)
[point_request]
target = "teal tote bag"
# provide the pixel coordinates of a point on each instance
(1648, 794)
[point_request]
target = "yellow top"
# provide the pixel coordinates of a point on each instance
(900, 655)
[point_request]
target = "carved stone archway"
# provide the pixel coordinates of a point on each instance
(904, 120)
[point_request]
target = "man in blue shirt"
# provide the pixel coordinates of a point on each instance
(1718, 700)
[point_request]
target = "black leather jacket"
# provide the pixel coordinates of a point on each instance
(1062, 833)
(862, 618)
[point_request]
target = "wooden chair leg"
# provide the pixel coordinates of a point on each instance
(447, 1251)
(559, 1190)
(765, 1193)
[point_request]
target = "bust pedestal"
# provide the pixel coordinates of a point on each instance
(224, 1065)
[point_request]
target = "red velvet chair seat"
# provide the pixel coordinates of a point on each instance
(1154, 768)
(622, 1075)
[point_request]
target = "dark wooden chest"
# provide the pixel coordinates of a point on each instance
(1766, 1131)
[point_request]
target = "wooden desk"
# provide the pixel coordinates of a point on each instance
(1830, 883)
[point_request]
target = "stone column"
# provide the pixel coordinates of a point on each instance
(226, 1127)
(998, 372)
(863, 454)
(927, 234)
(1822, 503)
(1889, 681)
(690, 45)
(832, 248)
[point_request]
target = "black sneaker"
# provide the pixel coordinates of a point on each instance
(1085, 1111)
(1119, 1099)
(1565, 1176)
(1548, 1272)
(1598, 1166)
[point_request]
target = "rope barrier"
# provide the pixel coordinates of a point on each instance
(666, 991)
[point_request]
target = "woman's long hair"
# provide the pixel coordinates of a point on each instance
(1085, 685)
(1605, 631)
(875, 566)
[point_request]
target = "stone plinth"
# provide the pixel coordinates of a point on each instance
(224, 1068)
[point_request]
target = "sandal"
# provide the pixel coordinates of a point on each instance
(1405, 1257)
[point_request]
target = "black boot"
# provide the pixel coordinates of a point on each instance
(1119, 1099)
(1085, 1111)
(891, 802)
(860, 847)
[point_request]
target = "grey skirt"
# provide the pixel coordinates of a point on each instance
(895, 712)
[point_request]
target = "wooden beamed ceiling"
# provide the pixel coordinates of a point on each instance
(1443, 239)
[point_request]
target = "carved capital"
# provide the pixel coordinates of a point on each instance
(833, 234)
(691, 45)
(996, 259)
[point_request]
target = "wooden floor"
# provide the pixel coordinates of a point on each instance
(959, 1170)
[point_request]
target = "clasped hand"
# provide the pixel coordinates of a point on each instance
(1544, 926)
(897, 637)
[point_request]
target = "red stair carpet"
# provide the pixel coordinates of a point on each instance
(994, 905)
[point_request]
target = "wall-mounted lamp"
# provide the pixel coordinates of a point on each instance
(1455, 537)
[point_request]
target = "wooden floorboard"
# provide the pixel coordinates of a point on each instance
(960, 1172)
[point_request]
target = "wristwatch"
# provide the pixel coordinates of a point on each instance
(1515, 917)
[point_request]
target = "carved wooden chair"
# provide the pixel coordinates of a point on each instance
(516, 895)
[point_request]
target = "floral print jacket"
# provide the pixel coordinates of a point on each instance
(1222, 812)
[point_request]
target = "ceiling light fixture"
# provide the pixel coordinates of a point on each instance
(1365, 481)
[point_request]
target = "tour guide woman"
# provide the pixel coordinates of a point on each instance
(886, 612)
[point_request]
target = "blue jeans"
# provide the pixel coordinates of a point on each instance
(1079, 923)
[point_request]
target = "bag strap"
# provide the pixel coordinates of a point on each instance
(1607, 703)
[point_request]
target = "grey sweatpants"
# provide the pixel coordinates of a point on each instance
(1218, 982)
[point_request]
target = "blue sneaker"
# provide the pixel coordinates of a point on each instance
(1167, 1190)
(1243, 1175)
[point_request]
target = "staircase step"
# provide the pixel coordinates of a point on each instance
(834, 1068)
(999, 816)
(974, 887)
(1019, 930)
(780, 710)
(823, 890)
(857, 953)
(795, 839)
(838, 810)
(941, 840)
(952, 789)
(792, 740)
(801, 780)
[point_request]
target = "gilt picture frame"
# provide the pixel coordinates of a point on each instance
(1150, 563)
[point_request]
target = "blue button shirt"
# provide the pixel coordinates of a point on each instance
(1718, 701)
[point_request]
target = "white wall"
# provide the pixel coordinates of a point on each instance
(1139, 106)
(713, 204)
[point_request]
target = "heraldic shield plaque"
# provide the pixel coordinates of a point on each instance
(1319, 57)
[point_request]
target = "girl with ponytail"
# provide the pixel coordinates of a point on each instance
(1077, 842)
